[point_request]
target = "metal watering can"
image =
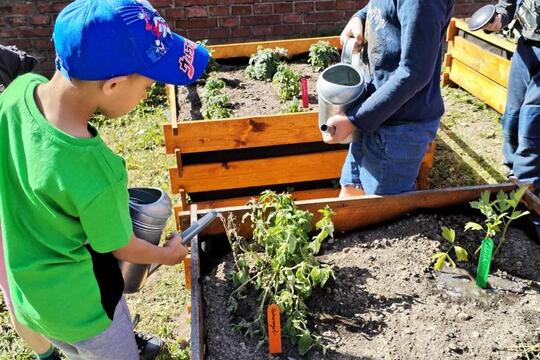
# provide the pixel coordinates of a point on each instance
(150, 208)
(340, 87)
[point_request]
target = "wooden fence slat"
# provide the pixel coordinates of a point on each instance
(245, 132)
(490, 65)
(363, 211)
(257, 172)
(293, 46)
(477, 84)
(490, 38)
(239, 201)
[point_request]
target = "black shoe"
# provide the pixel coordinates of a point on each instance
(149, 345)
(54, 356)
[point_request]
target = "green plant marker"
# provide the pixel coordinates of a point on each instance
(484, 262)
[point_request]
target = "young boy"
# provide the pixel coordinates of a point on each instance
(402, 113)
(63, 193)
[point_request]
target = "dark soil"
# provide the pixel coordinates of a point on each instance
(387, 303)
(248, 97)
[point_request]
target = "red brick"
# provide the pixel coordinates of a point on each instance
(197, 23)
(219, 11)
(262, 9)
(40, 20)
(196, 12)
(292, 18)
(325, 5)
(241, 10)
(24, 7)
(283, 8)
(229, 22)
(260, 20)
(261, 30)
(303, 7)
(174, 13)
(16, 20)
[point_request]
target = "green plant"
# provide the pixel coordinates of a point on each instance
(322, 54)
(264, 63)
(215, 104)
(288, 82)
(292, 106)
(499, 213)
(440, 258)
(279, 266)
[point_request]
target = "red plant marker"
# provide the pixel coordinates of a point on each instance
(274, 329)
(305, 97)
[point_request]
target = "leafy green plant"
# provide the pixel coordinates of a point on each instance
(499, 214)
(441, 257)
(278, 267)
(322, 54)
(288, 82)
(292, 106)
(264, 63)
(215, 104)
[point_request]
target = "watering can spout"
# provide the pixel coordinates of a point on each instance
(188, 234)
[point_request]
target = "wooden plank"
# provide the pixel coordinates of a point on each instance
(173, 115)
(293, 46)
(490, 38)
(258, 172)
(486, 63)
(365, 210)
(243, 133)
(322, 193)
(451, 31)
(477, 84)
(197, 318)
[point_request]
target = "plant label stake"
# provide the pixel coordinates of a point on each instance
(484, 262)
(274, 329)
(304, 87)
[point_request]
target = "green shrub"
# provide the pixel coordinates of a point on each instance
(291, 106)
(216, 105)
(322, 54)
(288, 82)
(264, 63)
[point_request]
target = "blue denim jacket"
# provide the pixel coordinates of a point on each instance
(404, 45)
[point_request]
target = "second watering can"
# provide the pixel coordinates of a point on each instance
(150, 208)
(340, 87)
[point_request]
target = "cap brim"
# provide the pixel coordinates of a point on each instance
(183, 64)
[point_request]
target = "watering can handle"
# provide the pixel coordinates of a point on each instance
(188, 234)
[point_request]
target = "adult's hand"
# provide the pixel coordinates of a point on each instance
(494, 25)
(343, 128)
(353, 29)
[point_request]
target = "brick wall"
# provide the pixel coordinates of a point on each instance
(28, 24)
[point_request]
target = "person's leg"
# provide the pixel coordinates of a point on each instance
(392, 155)
(518, 82)
(350, 173)
(37, 342)
(117, 342)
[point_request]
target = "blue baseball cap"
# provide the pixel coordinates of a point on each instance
(101, 39)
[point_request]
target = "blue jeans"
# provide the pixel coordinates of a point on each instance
(387, 161)
(521, 119)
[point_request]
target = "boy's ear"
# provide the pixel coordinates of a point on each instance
(110, 85)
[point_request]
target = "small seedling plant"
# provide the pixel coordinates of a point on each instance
(278, 267)
(216, 105)
(322, 54)
(291, 106)
(440, 258)
(499, 214)
(288, 82)
(264, 63)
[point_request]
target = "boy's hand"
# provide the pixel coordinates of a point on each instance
(343, 128)
(353, 29)
(495, 25)
(177, 251)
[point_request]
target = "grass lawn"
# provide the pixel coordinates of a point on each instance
(137, 137)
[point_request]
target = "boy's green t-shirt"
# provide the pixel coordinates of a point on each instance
(63, 209)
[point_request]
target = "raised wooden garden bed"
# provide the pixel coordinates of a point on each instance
(478, 62)
(225, 162)
(374, 301)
